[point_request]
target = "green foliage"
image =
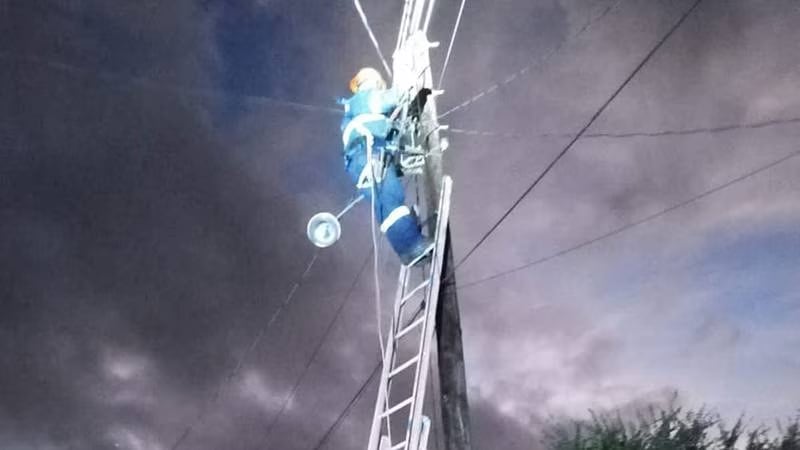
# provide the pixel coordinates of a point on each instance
(671, 428)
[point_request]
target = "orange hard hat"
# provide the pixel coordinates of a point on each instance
(364, 75)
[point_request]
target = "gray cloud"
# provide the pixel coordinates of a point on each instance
(147, 234)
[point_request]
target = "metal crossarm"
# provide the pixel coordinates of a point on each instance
(416, 426)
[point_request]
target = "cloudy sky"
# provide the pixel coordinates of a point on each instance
(158, 168)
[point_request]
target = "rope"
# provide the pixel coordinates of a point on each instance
(452, 41)
(375, 244)
(372, 36)
(375, 267)
(495, 86)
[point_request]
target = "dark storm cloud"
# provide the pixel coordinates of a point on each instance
(147, 233)
(137, 234)
(137, 263)
(650, 293)
(145, 247)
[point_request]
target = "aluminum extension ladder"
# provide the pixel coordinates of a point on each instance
(407, 323)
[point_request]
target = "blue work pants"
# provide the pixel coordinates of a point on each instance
(402, 230)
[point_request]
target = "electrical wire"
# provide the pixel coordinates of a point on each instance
(253, 344)
(513, 76)
(373, 253)
(578, 136)
(635, 134)
(634, 224)
(322, 340)
(347, 408)
(719, 129)
(161, 86)
(485, 133)
(358, 394)
(452, 41)
(372, 36)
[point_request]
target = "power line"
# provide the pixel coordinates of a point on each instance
(452, 41)
(495, 86)
(719, 129)
(588, 124)
(635, 134)
(634, 224)
(375, 44)
(360, 392)
(323, 339)
(347, 408)
(166, 87)
(240, 363)
(486, 133)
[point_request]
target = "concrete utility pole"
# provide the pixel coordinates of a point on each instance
(450, 348)
(452, 378)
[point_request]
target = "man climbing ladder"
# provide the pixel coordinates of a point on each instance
(370, 146)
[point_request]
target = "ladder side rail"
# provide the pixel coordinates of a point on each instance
(413, 55)
(402, 33)
(424, 434)
(428, 16)
(416, 18)
(392, 340)
(421, 376)
(397, 324)
(421, 355)
(426, 336)
(381, 402)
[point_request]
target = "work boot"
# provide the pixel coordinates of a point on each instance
(420, 252)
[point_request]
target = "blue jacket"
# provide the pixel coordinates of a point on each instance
(370, 108)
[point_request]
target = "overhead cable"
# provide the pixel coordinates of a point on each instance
(588, 124)
(165, 87)
(322, 341)
(253, 344)
(452, 41)
(634, 134)
(719, 129)
(346, 411)
(539, 61)
(375, 43)
(631, 225)
(359, 393)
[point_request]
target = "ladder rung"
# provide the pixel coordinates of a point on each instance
(403, 367)
(408, 329)
(400, 445)
(397, 407)
(415, 290)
